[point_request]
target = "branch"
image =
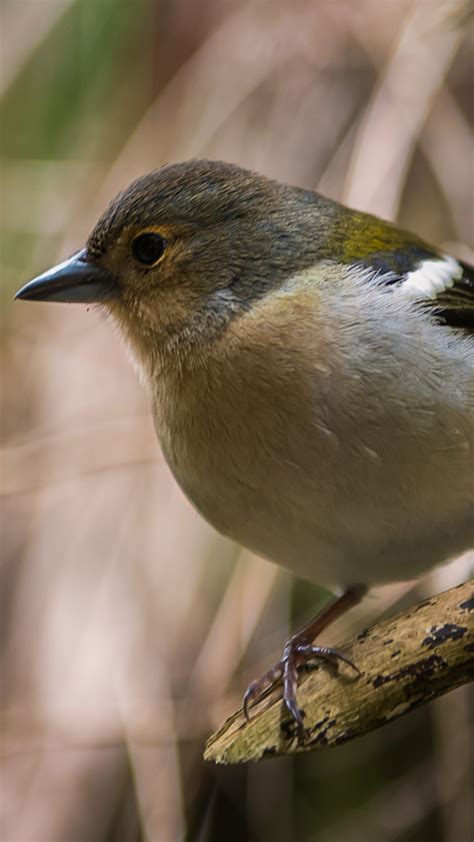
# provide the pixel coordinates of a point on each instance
(404, 662)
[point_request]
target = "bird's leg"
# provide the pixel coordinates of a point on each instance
(300, 650)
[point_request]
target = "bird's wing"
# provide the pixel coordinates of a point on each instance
(425, 274)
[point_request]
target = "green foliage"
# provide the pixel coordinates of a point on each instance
(68, 82)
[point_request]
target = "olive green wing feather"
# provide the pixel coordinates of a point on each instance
(422, 271)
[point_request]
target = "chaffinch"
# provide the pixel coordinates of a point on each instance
(311, 373)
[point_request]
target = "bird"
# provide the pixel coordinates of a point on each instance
(311, 375)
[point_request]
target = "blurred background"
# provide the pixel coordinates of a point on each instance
(129, 628)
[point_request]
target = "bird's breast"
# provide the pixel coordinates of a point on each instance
(338, 465)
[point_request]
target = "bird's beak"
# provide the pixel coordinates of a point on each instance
(75, 280)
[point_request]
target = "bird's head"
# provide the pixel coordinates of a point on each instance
(183, 250)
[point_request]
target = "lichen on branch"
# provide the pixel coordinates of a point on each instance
(404, 662)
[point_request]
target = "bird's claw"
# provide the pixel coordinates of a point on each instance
(256, 689)
(295, 654)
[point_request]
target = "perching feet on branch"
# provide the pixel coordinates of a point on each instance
(286, 670)
(300, 650)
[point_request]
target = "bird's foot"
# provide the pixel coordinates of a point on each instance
(296, 653)
(299, 651)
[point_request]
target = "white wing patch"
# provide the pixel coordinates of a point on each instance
(432, 277)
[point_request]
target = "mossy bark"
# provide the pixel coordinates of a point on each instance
(404, 662)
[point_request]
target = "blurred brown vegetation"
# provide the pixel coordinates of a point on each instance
(129, 628)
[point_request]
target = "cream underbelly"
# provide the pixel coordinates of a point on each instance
(334, 532)
(345, 450)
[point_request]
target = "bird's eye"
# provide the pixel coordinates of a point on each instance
(148, 248)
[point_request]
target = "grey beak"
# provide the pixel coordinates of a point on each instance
(75, 280)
